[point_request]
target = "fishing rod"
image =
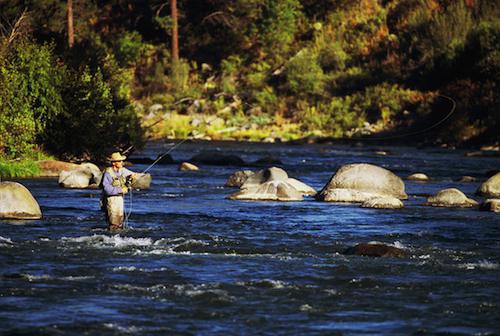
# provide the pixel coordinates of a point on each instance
(129, 212)
(163, 155)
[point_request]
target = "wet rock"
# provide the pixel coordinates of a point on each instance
(52, 168)
(272, 184)
(303, 188)
(142, 181)
(466, 179)
(491, 205)
(361, 182)
(269, 191)
(186, 166)
(268, 160)
(490, 188)
(265, 175)
(82, 176)
(217, 159)
(16, 202)
(375, 250)
(239, 178)
(383, 203)
(452, 198)
(419, 177)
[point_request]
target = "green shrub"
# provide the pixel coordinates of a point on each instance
(332, 57)
(483, 49)
(304, 75)
(128, 48)
(30, 79)
(91, 127)
(278, 26)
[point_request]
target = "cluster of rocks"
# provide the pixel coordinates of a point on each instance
(369, 185)
(271, 184)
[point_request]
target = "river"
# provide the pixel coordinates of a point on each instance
(194, 263)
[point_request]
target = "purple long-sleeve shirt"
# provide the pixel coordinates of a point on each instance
(107, 181)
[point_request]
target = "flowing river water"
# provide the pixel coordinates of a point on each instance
(194, 263)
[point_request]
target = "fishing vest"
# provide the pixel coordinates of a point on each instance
(118, 180)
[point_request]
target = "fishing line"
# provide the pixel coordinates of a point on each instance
(446, 117)
(127, 214)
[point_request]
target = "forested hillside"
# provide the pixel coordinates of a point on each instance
(81, 78)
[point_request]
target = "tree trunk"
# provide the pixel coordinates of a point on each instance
(71, 33)
(175, 34)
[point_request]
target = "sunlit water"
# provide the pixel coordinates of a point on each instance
(195, 263)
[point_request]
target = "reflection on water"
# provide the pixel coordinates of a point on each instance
(193, 262)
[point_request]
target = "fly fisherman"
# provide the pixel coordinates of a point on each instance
(114, 186)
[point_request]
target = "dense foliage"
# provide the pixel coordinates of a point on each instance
(330, 68)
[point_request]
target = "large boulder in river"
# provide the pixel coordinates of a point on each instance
(490, 188)
(217, 159)
(360, 182)
(272, 184)
(265, 175)
(16, 202)
(83, 176)
(269, 191)
(239, 178)
(303, 188)
(452, 198)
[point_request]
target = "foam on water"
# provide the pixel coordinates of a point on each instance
(5, 241)
(482, 264)
(103, 241)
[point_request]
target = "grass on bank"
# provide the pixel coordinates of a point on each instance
(22, 167)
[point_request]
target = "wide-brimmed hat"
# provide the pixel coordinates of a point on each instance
(116, 156)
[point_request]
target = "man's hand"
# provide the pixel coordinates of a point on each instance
(124, 190)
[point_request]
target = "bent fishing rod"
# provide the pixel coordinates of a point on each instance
(129, 212)
(163, 155)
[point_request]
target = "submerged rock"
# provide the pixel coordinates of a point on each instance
(239, 178)
(491, 187)
(375, 250)
(361, 182)
(16, 202)
(217, 159)
(491, 205)
(383, 203)
(268, 160)
(452, 198)
(467, 178)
